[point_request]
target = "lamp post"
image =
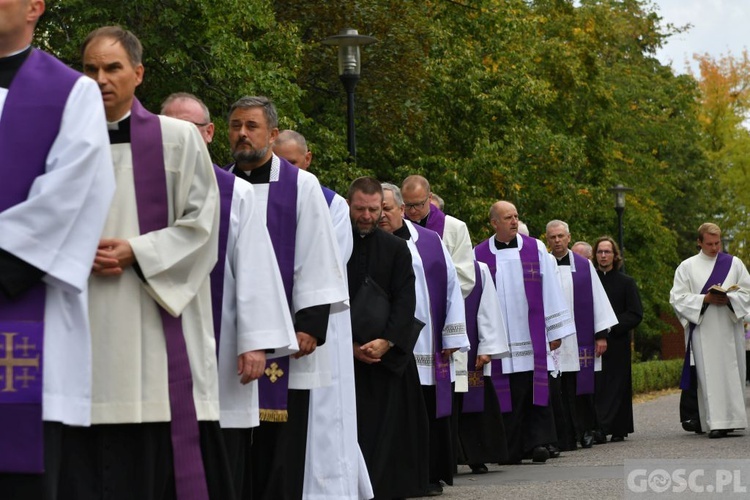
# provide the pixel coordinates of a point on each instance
(620, 191)
(348, 42)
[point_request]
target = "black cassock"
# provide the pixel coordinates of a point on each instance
(614, 384)
(392, 425)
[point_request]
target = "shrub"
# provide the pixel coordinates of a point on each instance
(656, 375)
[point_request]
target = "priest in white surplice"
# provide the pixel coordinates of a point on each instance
(579, 355)
(251, 316)
(714, 330)
(155, 386)
(537, 318)
(441, 307)
(57, 187)
(334, 466)
(299, 223)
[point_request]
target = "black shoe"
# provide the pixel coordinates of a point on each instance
(587, 441)
(434, 490)
(718, 433)
(692, 425)
(600, 437)
(553, 450)
(478, 469)
(540, 454)
(617, 439)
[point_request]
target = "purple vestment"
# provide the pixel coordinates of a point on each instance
(30, 123)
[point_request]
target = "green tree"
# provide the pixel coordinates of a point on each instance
(216, 50)
(725, 106)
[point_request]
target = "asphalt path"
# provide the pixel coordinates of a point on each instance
(598, 473)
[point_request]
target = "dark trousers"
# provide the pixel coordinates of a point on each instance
(278, 453)
(528, 425)
(127, 461)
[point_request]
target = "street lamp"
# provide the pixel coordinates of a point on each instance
(348, 42)
(620, 191)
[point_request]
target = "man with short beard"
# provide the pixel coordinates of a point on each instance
(391, 414)
(303, 238)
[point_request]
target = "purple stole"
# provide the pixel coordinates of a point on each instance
(328, 194)
(719, 273)
(474, 398)
(24, 146)
(532, 280)
(436, 220)
(225, 180)
(281, 220)
(151, 196)
(500, 380)
(583, 307)
(436, 273)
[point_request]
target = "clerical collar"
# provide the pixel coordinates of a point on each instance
(403, 232)
(564, 261)
(259, 175)
(119, 132)
(502, 246)
(423, 221)
(10, 65)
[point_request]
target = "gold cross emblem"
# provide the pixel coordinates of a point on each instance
(8, 362)
(476, 378)
(585, 357)
(273, 372)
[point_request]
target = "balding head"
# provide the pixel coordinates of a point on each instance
(185, 106)
(504, 220)
(19, 18)
(292, 146)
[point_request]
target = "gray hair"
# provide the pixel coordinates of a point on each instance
(387, 186)
(269, 110)
(555, 223)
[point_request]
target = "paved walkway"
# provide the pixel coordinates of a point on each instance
(598, 473)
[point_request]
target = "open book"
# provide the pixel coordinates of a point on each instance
(716, 289)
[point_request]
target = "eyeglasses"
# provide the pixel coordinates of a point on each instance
(604, 252)
(416, 206)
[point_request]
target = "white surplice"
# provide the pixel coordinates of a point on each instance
(515, 307)
(604, 316)
(718, 339)
(255, 315)
(57, 230)
(493, 338)
(454, 331)
(318, 277)
(458, 242)
(334, 466)
(129, 350)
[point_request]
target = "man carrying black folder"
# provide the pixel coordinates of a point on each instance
(391, 414)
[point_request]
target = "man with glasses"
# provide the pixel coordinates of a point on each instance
(613, 392)
(187, 107)
(418, 209)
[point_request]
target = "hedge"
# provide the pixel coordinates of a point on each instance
(656, 375)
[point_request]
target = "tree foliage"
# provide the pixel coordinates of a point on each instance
(546, 103)
(725, 107)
